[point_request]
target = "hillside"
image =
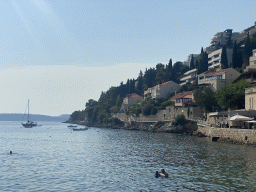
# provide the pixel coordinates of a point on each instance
(21, 117)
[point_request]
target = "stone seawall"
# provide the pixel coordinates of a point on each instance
(247, 136)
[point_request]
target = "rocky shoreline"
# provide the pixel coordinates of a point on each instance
(189, 128)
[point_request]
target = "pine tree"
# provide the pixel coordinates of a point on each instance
(224, 58)
(192, 65)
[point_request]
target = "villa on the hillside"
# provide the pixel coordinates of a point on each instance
(130, 99)
(250, 98)
(250, 70)
(161, 90)
(216, 79)
(181, 99)
(189, 77)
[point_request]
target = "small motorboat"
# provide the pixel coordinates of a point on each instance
(72, 125)
(80, 129)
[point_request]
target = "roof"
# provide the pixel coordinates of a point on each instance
(184, 94)
(163, 84)
(190, 71)
(134, 95)
(210, 72)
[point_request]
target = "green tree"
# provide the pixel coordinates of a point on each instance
(169, 70)
(233, 95)
(224, 58)
(139, 87)
(119, 101)
(247, 51)
(192, 65)
(229, 43)
(235, 60)
(205, 98)
(202, 63)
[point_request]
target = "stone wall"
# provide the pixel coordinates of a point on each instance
(235, 135)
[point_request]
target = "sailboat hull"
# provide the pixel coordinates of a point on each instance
(29, 124)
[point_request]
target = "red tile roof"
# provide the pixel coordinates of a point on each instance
(182, 95)
(210, 72)
(162, 84)
(134, 95)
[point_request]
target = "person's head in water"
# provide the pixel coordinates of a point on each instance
(163, 171)
(10, 152)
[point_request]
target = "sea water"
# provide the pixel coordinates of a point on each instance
(52, 157)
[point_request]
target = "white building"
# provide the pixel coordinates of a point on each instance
(162, 90)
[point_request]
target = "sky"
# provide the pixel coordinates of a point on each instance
(61, 53)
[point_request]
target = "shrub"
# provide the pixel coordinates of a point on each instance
(180, 119)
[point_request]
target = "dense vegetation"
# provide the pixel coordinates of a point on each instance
(231, 96)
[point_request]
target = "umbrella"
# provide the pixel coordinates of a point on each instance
(240, 118)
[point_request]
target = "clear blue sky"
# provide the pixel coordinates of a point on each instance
(61, 53)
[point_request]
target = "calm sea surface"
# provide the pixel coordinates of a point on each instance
(53, 158)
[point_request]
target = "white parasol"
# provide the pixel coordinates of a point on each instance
(240, 118)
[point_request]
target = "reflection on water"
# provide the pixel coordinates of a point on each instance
(53, 158)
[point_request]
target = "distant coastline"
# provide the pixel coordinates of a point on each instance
(34, 117)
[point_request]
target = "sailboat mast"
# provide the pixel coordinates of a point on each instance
(28, 110)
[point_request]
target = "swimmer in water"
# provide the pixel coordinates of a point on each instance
(163, 173)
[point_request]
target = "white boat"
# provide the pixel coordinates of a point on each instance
(29, 124)
(80, 129)
(72, 125)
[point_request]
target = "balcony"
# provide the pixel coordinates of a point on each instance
(187, 77)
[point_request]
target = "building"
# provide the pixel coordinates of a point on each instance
(250, 71)
(162, 90)
(189, 77)
(221, 38)
(182, 99)
(250, 98)
(215, 58)
(129, 100)
(217, 78)
(188, 61)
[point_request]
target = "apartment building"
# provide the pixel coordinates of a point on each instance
(189, 77)
(250, 71)
(215, 58)
(162, 90)
(217, 78)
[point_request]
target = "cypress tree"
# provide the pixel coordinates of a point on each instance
(247, 51)
(229, 41)
(169, 68)
(197, 64)
(235, 59)
(140, 83)
(202, 63)
(192, 65)
(224, 58)
(205, 61)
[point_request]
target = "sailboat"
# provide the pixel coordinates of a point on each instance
(29, 124)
